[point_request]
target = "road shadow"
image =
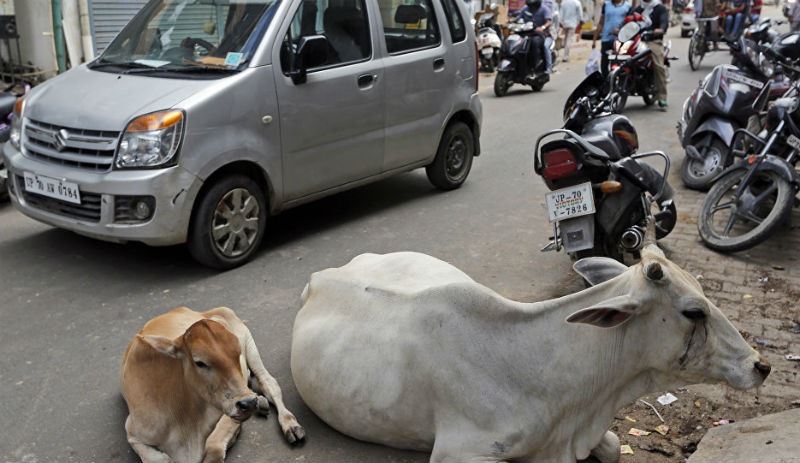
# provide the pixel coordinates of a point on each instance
(55, 248)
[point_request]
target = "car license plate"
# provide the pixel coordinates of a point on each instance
(52, 187)
(570, 202)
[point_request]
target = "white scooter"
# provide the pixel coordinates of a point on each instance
(489, 42)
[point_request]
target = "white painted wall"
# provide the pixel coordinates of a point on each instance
(35, 28)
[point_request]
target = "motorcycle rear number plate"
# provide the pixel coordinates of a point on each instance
(793, 141)
(570, 202)
(52, 187)
(487, 51)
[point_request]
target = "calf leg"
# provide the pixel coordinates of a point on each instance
(607, 451)
(292, 430)
(147, 453)
(221, 439)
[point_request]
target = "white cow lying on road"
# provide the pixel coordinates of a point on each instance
(184, 377)
(406, 350)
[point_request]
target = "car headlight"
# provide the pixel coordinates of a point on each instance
(151, 140)
(15, 134)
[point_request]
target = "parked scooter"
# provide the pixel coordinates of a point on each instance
(602, 193)
(515, 67)
(755, 196)
(719, 106)
(489, 43)
(8, 98)
(631, 64)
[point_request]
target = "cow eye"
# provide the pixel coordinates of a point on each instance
(694, 314)
(200, 364)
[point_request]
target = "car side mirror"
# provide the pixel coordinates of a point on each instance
(312, 51)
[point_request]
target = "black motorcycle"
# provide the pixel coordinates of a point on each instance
(602, 193)
(515, 66)
(755, 196)
(719, 106)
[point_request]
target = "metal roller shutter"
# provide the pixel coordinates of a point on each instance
(109, 17)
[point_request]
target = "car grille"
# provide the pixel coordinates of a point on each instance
(84, 149)
(88, 209)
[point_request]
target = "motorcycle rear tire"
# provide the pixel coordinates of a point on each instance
(699, 177)
(649, 99)
(780, 206)
(538, 85)
(502, 82)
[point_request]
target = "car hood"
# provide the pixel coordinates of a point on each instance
(87, 99)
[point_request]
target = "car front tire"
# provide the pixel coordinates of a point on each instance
(228, 223)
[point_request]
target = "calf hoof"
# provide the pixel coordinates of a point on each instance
(263, 406)
(295, 434)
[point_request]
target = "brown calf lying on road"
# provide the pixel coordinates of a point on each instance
(185, 379)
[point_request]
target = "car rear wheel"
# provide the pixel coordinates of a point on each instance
(453, 160)
(228, 223)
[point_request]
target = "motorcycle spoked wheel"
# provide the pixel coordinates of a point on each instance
(502, 82)
(697, 49)
(698, 175)
(728, 223)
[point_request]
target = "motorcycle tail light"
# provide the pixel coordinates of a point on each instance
(559, 163)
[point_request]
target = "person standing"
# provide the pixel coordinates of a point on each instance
(654, 35)
(550, 32)
(611, 18)
(792, 13)
(571, 12)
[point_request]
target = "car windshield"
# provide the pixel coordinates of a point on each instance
(201, 37)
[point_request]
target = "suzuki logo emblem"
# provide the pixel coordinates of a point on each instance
(60, 140)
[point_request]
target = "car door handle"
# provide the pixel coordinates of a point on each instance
(438, 64)
(366, 80)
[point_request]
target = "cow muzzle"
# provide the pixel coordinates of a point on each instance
(763, 367)
(244, 408)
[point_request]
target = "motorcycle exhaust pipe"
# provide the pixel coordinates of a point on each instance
(632, 238)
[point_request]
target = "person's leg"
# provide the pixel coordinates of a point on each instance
(728, 24)
(604, 48)
(568, 33)
(660, 72)
(737, 27)
(548, 58)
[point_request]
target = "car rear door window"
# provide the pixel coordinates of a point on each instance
(454, 21)
(409, 26)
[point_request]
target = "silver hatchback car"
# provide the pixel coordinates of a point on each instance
(203, 117)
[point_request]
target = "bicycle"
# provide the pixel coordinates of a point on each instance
(698, 45)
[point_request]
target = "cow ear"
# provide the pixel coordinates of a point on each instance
(607, 314)
(596, 270)
(164, 345)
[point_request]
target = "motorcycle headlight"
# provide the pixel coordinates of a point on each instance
(151, 140)
(15, 134)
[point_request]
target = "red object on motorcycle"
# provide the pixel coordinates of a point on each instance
(559, 163)
(628, 18)
(637, 17)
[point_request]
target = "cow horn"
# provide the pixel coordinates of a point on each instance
(653, 271)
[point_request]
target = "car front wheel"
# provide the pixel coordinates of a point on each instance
(228, 223)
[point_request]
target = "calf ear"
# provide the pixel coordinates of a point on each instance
(596, 270)
(164, 345)
(607, 314)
